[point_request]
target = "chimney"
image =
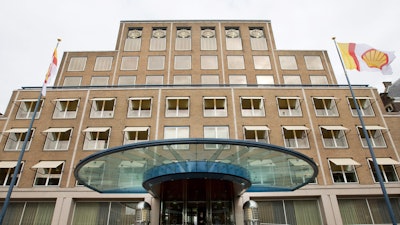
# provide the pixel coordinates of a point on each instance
(387, 84)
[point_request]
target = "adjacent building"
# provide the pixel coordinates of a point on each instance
(199, 80)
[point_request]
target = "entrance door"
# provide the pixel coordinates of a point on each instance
(197, 202)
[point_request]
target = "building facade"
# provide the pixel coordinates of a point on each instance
(199, 79)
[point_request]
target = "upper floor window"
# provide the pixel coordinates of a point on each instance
(288, 62)
(154, 80)
(233, 39)
(16, 138)
(129, 63)
(130, 175)
(57, 138)
(215, 106)
(343, 170)
(182, 79)
(7, 169)
(133, 40)
(313, 62)
(135, 134)
(318, 79)
(96, 138)
(103, 63)
(252, 106)
(364, 104)
(374, 134)
(158, 41)
(183, 39)
(209, 79)
(102, 108)
(77, 64)
(72, 81)
(334, 136)
(208, 40)
(262, 62)
(257, 39)
(298, 174)
(65, 108)
(48, 173)
(183, 62)
(127, 80)
(292, 79)
(295, 136)
(99, 80)
(289, 106)
(387, 169)
(209, 62)
(156, 62)
(237, 79)
(216, 132)
(91, 172)
(176, 132)
(265, 79)
(256, 133)
(140, 107)
(27, 108)
(325, 106)
(177, 107)
(235, 62)
(262, 171)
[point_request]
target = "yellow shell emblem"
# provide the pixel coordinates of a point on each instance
(375, 58)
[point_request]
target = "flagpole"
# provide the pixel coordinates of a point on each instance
(371, 150)
(21, 154)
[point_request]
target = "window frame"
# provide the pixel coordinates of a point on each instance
(9, 172)
(139, 112)
(325, 108)
(258, 136)
(252, 111)
(218, 131)
(48, 174)
(335, 137)
(384, 172)
(364, 104)
(341, 174)
(18, 140)
(290, 111)
(298, 136)
(102, 110)
(67, 110)
(375, 137)
(94, 137)
(137, 131)
(26, 108)
(216, 111)
(180, 110)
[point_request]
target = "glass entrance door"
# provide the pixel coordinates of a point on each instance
(197, 202)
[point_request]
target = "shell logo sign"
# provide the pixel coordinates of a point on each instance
(363, 57)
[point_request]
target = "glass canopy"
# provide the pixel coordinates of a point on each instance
(143, 166)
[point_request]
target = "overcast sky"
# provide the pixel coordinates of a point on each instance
(29, 29)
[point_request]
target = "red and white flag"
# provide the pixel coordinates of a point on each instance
(50, 72)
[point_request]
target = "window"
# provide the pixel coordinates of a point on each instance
(288, 62)
(30, 212)
(158, 41)
(99, 80)
(299, 211)
(155, 62)
(130, 174)
(289, 106)
(182, 79)
(27, 108)
(105, 213)
(183, 39)
(215, 106)
(343, 170)
(386, 166)
(139, 107)
(262, 171)
(216, 132)
(91, 172)
(318, 79)
(256, 133)
(103, 63)
(209, 62)
(96, 138)
(369, 210)
(154, 80)
(77, 64)
(237, 79)
(252, 106)
(209, 79)
(183, 62)
(133, 40)
(130, 63)
(262, 62)
(177, 107)
(235, 62)
(135, 134)
(325, 106)
(334, 136)
(299, 172)
(208, 40)
(233, 39)
(16, 138)
(313, 62)
(126, 80)
(102, 108)
(374, 134)
(292, 79)
(65, 108)
(48, 173)
(295, 136)
(364, 105)
(72, 81)
(57, 138)
(176, 132)
(265, 79)
(7, 169)
(257, 39)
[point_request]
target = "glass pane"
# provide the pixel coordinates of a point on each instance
(209, 62)
(103, 63)
(129, 63)
(126, 80)
(265, 79)
(288, 62)
(262, 62)
(155, 62)
(235, 62)
(313, 62)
